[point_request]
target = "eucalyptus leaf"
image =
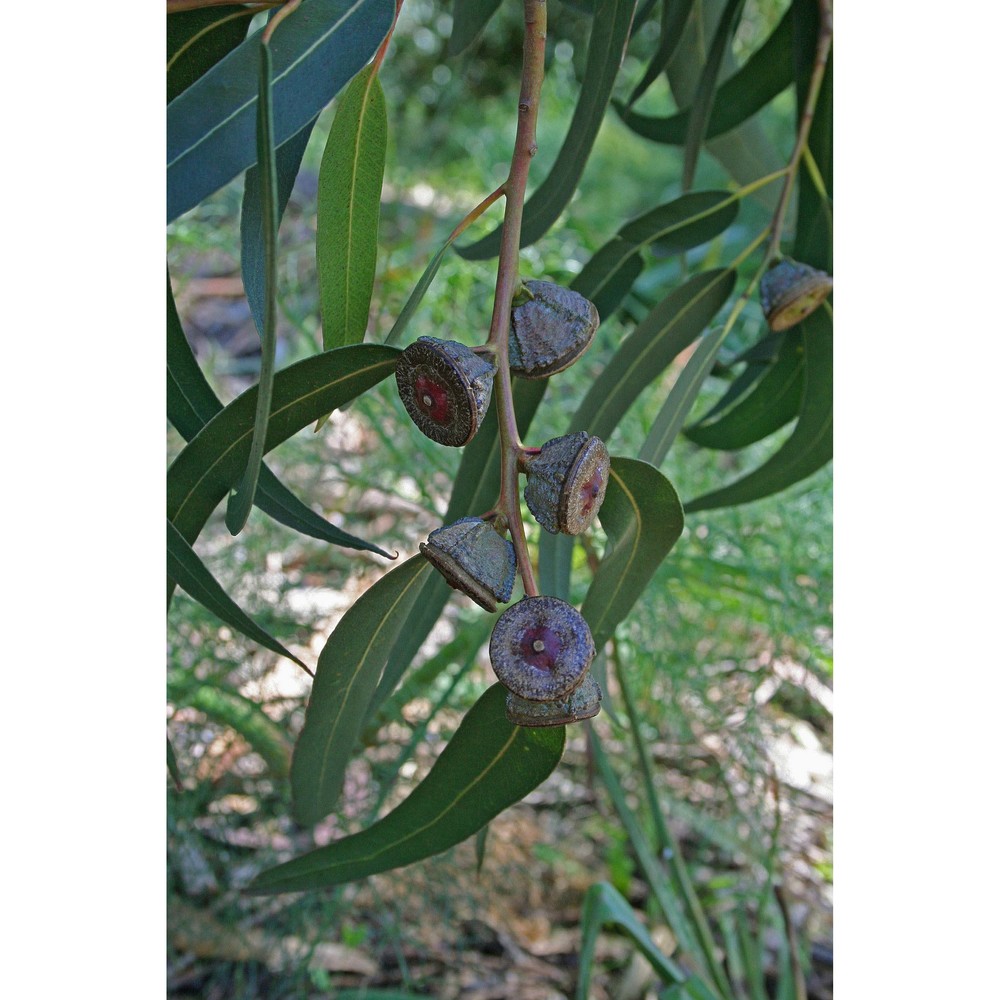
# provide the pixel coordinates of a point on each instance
(316, 51)
(187, 570)
(191, 403)
(346, 674)
(643, 518)
(488, 765)
(673, 17)
(203, 472)
(773, 402)
(602, 905)
(198, 39)
(348, 199)
(241, 499)
(469, 18)
(810, 445)
(609, 275)
(608, 40)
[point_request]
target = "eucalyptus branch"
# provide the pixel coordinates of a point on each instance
(380, 55)
(525, 147)
(287, 9)
(823, 42)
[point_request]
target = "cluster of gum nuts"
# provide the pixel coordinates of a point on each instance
(541, 647)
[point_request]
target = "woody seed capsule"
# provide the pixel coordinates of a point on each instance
(475, 559)
(790, 291)
(549, 330)
(541, 648)
(445, 387)
(583, 703)
(567, 481)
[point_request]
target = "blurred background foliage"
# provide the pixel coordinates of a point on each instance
(728, 652)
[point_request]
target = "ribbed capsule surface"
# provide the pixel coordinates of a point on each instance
(567, 481)
(474, 559)
(445, 387)
(549, 331)
(583, 703)
(790, 291)
(541, 648)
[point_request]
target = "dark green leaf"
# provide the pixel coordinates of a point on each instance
(203, 472)
(172, 768)
(192, 575)
(316, 51)
(643, 519)
(346, 674)
(608, 38)
(704, 96)
(738, 389)
(241, 499)
(191, 403)
(469, 18)
(810, 445)
(609, 275)
(348, 198)
(288, 158)
(764, 75)
(672, 20)
(773, 402)
(671, 325)
(603, 904)
(198, 39)
(487, 766)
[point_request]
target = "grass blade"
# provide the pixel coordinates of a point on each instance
(469, 18)
(487, 766)
(316, 51)
(346, 674)
(348, 201)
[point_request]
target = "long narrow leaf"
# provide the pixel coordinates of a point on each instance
(758, 81)
(469, 18)
(608, 39)
(704, 96)
(810, 445)
(350, 188)
(346, 674)
(643, 518)
(198, 39)
(673, 17)
(210, 127)
(488, 765)
(191, 403)
(192, 575)
(241, 499)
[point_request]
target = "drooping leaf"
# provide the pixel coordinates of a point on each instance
(603, 904)
(288, 159)
(191, 403)
(810, 445)
(211, 126)
(203, 472)
(346, 674)
(228, 707)
(671, 326)
(348, 199)
(187, 570)
(469, 18)
(488, 765)
(773, 402)
(673, 17)
(241, 499)
(609, 275)
(704, 95)
(198, 39)
(608, 38)
(643, 518)
(761, 78)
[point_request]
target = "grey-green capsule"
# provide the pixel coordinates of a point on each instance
(475, 559)
(567, 481)
(790, 291)
(582, 703)
(549, 330)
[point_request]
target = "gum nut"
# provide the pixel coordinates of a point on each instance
(549, 331)
(567, 481)
(541, 648)
(583, 703)
(790, 291)
(475, 559)
(445, 387)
